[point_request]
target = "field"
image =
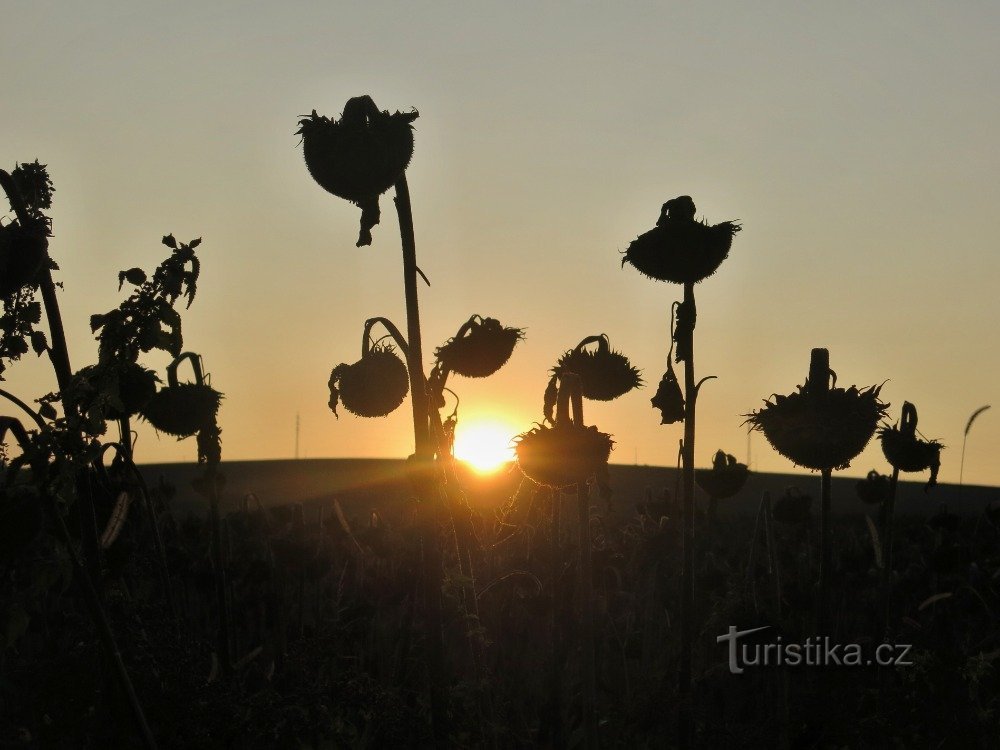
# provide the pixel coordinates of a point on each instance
(325, 619)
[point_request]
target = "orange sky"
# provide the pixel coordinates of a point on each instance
(856, 145)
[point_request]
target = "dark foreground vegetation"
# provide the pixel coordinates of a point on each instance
(325, 611)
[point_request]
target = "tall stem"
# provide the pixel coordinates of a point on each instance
(684, 726)
(890, 507)
(823, 616)
(424, 454)
(589, 655)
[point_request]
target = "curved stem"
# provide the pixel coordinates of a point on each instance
(31, 412)
(389, 326)
(199, 377)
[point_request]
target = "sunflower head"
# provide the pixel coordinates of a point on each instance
(604, 373)
(374, 386)
(183, 409)
(680, 249)
(726, 477)
(905, 451)
(873, 489)
(819, 427)
(563, 455)
(480, 348)
(359, 156)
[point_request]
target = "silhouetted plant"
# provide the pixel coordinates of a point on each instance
(681, 249)
(604, 373)
(480, 348)
(873, 489)
(726, 478)
(905, 452)
(684, 251)
(821, 427)
(358, 158)
(375, 385)
(183, 409)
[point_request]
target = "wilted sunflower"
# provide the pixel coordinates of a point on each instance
(873, 489)
(374, 386)
(681, 249)
(182, 409)
(820, 427)
(563, 455)
(480, 348)
(23, 251)
(905, 451)
(127, 387)
(604, 373)
(359, 156)
(726, 477)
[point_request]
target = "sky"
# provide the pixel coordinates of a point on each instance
(856, 143)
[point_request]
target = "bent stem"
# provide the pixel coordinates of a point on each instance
(424, 455)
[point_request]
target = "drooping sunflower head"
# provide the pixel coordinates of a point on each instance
(374, 386)
(482, 346)
(819, 427)
(564, 454)
(605, 374)
(680, 249)
(726, 477)
(183, 409)
(905, 451)
(873, 489)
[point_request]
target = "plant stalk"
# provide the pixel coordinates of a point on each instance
(423, 454)
(823, 616)
(684, 724)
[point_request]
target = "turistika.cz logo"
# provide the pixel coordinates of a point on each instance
(814, 652)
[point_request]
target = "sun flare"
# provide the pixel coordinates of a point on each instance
(485, 446)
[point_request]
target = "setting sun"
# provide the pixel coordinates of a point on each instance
(485, 446)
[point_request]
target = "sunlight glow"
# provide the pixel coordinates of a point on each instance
(484, 445)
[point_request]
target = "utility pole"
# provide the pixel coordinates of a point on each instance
(296, 435)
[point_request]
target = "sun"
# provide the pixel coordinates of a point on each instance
(484, 445)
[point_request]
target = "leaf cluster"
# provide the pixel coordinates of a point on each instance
(147, 319)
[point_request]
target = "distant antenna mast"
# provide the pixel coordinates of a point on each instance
(296, 435)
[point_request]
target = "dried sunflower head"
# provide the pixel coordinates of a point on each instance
(604, 373)
(359, 156)
(563, 455)
(125, 388)
(819, 427)
(182, 409)
(680, 249)
(481, 347)
(374, 386)
(905, 451)
(726, 477)
(873, 489)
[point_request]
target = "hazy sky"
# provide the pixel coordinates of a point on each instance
(857, 143)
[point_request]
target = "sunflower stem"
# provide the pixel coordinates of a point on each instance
(589, 655)
(890, 507)
(424, 453)
(822, 619)
(684, 725)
